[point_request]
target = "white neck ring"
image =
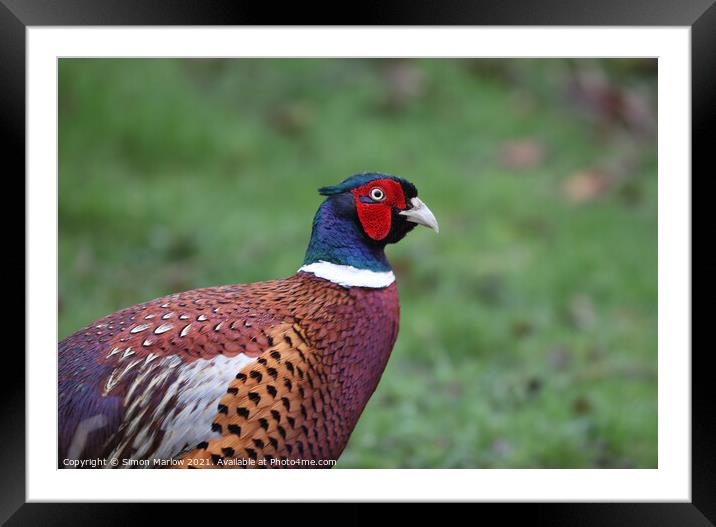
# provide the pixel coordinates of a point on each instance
(349, 276)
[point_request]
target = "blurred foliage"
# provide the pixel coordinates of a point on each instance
(529, 325)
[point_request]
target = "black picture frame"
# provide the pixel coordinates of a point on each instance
(700, 15)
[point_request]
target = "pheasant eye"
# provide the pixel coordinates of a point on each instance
(377, 194)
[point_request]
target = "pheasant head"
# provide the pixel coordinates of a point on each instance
(360, 216)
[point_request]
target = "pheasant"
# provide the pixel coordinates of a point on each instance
(268, 374)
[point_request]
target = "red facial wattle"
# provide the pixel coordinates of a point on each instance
(375, 216)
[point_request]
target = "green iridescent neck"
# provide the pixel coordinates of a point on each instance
(337, 238)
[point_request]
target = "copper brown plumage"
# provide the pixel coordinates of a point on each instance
(267, 374)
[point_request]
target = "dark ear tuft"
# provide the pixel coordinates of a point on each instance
(330, 190)
(357, 180)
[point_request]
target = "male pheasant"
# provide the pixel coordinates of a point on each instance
(269, 374)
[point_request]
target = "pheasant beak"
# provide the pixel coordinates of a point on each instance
(420, 213)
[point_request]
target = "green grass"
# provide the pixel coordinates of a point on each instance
(529, 325)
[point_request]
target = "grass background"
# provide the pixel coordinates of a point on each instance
(528, 326)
